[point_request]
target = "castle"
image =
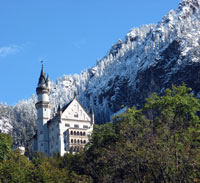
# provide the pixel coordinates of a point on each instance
(67, 131)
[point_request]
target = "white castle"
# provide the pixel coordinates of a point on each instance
(67, 131)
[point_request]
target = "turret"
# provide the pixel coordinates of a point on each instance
(43, 112)
(42, 89)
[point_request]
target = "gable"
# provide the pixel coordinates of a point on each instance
(75, 111)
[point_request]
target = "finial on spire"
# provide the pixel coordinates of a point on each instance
(42, 61)
(42, 64)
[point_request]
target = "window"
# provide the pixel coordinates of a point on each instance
(84, 141)
(85, 126)
(67, 125)
(75, 141)
(71, 132)
(77, 133)
(78, 141)
(72, 141)
(81, 141)
(76, 126)
(74, 132)
(76, 115)
(83, 133)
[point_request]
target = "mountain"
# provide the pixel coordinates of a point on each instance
(149, 59)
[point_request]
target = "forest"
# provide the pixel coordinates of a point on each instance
(159, 142)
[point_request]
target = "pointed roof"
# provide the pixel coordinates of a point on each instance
(62, 110)
(47, 78)
(66, 106)
(42, 78)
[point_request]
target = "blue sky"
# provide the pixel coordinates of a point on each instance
(69, 35)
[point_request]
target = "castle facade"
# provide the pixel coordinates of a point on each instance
(67, 131)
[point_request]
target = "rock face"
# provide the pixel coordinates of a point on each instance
(149, 59)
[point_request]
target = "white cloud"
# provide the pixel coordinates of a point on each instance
(79, 43)
(9, 50)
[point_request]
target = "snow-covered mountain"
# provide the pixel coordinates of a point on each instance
(149, 59)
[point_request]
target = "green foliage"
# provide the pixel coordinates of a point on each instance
(5, 146)
(158, 143)
(16, 169)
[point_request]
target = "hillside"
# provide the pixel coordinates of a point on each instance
(149, 59)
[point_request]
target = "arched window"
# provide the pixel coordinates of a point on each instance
(77, 133)
(81, 141)
(71, 140)
(71, 132)
(74, 132)
(75, 141)
(81, 133)
(84, 141)
(76, 115)
(78, 141)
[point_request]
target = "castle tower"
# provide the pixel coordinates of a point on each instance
(43, 113)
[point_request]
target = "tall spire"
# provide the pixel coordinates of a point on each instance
(42, 78)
